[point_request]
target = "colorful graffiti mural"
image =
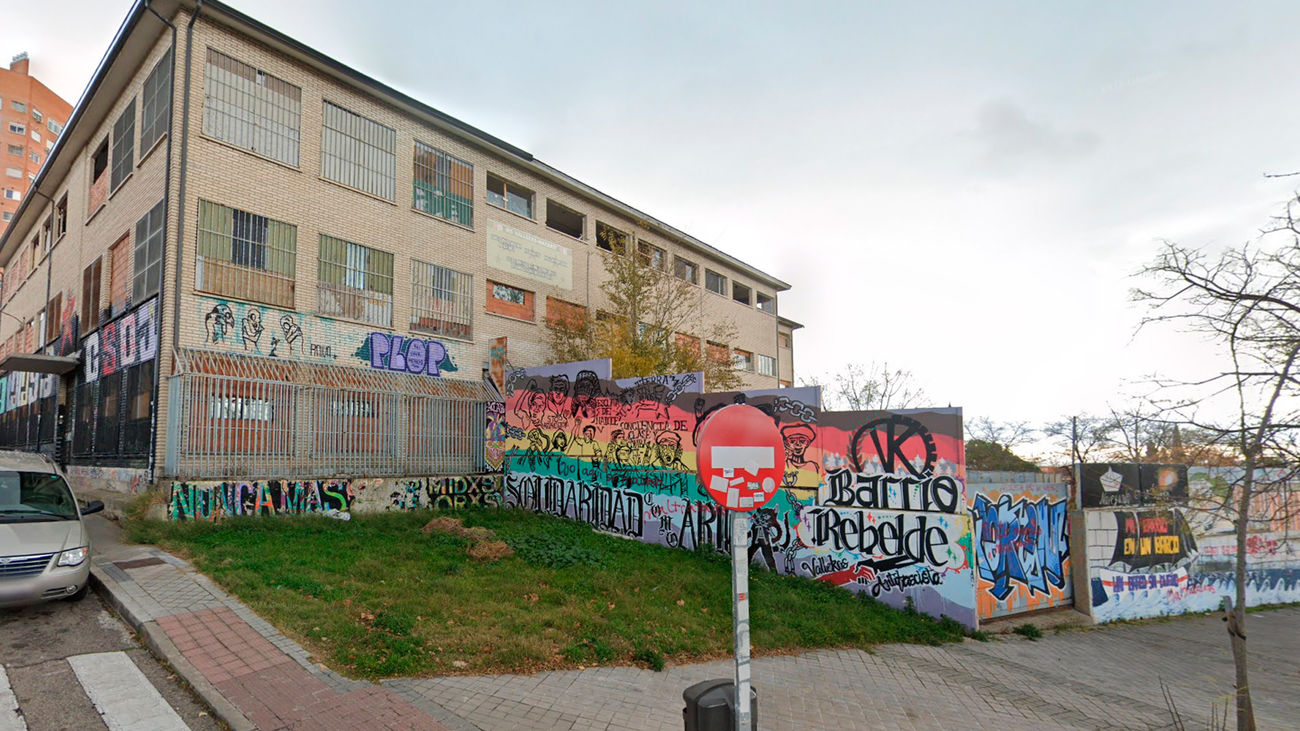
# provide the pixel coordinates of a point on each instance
(1152, 562)
(219, 500)
(1022, 547)
(620, 455)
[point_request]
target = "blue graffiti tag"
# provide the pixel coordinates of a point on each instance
(1027, 542)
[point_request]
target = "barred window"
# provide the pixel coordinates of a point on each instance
(242, 254)
(149, 233)
(355, 282)
(252, 109)
(123, 147)
(156, 103)
(444, 185)
(766, 365)
(442, 301)
(358, 152)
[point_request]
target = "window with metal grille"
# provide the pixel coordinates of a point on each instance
(252, 109)
(242, 254)
(156, 102)
(766, 365)
(123, 147)
(148, 252)
(442, 301)
(444, 185)
(107, 415)
(136, 433)
(358, 152)
(355, 282)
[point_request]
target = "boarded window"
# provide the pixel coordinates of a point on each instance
(503, 299)
(54, 312)
(90, 284)
(119, 275)
(355, 282)
(156, 102)
(358, 152)
(444, 185)
(251, 109)
(566, 313)
(123, 147)
(242, 254)
(442, 301)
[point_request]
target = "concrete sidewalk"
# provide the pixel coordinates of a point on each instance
(1108, 677)
(252, 676)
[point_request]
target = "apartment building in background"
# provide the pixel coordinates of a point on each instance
(250, 261)
(31, 119)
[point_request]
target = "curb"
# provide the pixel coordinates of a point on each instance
(162, 648)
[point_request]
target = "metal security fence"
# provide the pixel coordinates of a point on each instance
(255, 417)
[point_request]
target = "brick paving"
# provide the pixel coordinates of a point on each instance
(1094, 678)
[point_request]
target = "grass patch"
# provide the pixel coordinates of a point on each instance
(375, 597)
(1028, 631)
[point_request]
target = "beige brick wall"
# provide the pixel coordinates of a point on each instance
(221, 173)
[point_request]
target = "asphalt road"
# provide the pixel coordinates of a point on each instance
(66, 663)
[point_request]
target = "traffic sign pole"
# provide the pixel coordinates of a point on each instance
(740, 460)
(740, 614)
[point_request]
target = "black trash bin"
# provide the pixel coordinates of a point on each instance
(711, 706)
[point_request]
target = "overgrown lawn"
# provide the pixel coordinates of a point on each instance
(374, 597)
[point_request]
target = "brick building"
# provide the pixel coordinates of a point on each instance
(248, 260)
(31, 119)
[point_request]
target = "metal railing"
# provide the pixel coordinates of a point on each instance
(254, 417)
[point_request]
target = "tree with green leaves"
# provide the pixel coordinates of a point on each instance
(652, 324)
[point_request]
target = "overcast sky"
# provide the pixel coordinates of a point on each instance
(961, 189)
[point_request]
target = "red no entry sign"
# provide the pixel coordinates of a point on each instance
(740, 457)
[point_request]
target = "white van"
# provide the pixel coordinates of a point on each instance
(44, 547)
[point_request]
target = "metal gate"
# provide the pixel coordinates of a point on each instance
(255, 417)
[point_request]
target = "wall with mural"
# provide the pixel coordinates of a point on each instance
(215, 500)
(872, 501)
(242, 327)
(1173, 550)
(1022, 546)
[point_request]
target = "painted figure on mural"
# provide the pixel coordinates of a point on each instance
(252, 331)
(292, 333)
(218, 322)
(796, 438)
(763, 536)
(586, 387)
(668, 450)
(585, 446)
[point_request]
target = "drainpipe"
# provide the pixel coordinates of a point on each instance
(184, 174)
(162, 263)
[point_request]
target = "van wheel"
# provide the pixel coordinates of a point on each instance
(81, 594)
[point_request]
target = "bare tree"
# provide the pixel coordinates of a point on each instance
(867, 387)
(1247, 300)
(1006, 434)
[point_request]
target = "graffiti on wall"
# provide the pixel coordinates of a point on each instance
(1022, 547)
(392, 352)
(1132, 485)
(497, 355)
(225, 499)
(620, 456)
(494, 436)
(122, 343)
(1151, 562)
